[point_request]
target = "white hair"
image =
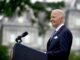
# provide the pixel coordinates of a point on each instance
(61, 12)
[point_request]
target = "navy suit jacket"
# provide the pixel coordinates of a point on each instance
(59, 45)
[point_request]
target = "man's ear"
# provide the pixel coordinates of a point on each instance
(61, 17)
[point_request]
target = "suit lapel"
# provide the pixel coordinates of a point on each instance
(52, 40)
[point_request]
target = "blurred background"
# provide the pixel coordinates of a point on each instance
(33, 16)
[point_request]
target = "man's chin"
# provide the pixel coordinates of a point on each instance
(54, 26)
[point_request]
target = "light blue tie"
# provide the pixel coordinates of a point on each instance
(53, 34)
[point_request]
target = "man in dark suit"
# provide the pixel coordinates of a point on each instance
(59, 44)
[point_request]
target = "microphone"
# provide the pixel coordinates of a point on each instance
(24, 34)
(18, 39)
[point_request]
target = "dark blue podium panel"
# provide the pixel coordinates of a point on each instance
(21, 52)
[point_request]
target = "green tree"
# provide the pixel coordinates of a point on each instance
(9, 7)
(4, 53)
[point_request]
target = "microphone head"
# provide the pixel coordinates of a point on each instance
(18, 39)
(24, 34)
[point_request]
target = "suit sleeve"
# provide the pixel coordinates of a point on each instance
(65, 45)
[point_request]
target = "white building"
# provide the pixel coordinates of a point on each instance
(13, 27)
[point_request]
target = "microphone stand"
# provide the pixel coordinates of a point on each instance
(18, 39)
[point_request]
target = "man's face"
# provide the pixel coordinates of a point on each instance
(55, 19)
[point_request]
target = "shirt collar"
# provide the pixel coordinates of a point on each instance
(59, 27)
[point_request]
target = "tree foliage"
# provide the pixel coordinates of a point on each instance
(4, 53)
(9, 7)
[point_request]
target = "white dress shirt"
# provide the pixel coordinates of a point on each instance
(59, 27)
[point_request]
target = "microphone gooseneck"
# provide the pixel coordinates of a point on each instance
(18, 39)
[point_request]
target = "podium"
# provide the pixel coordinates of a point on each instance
(21, 52)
